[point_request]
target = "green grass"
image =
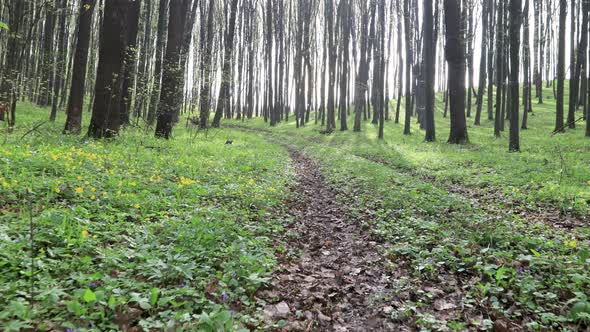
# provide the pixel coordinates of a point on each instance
(179, 233)
(135, 230)
(550, 169)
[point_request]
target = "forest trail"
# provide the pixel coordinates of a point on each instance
(338, 274)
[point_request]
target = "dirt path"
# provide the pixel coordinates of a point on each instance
(337, 277)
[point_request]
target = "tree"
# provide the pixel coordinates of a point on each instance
(429, 53)
(160, 50)
(134, 12)
(226, 79)
(499, 69)
(76, 100)
(207, 48)
(409, 56)
(482, 62)
(515, 21)
(106, 120)
(171, 94)
(345, 36)
(362, 76)
(559, 119)
(580, 63)
(455, 56)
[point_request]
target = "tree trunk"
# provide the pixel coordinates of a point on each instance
(206, 69)
(455, 56)
(171, 94)
(76, 100)
(515, 20)
(106, 120)
(224, 99)
(130, 60)
(559, 117)
(429, 53)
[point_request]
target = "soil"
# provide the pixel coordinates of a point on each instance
(337, 280)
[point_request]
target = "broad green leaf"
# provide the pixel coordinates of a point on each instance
(4, 26)
(154, 297)
(89, 296)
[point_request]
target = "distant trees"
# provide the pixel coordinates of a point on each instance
(324, 60)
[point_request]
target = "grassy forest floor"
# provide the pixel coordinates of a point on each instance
(138, 233)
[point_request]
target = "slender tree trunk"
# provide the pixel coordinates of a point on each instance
(130, 59)
(160, 49)
(429, 53)
(499, 67)
(515, 20)
(224, 98)
(206, 69)
(559, 117)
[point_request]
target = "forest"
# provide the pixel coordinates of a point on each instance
(294, 165)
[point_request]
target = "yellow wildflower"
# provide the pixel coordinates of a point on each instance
(84, 233)
(251, 181)
(93, 189)
(79, 190)
(572, 243)
(5, 184)
(57, 190)
(79, 178)
(136, 206)
(92, 197)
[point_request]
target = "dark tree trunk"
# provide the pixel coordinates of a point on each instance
(331, 120)
(160, 48)
(76, 100)
(559, 117)
(574, 81)
(106, 119)
(482, 63)
(345, 31)
(455, 55)
(171, 94)
(527, 68)
(409, 55)
(44, 98)
(499, 68)
(429, 53)
(515, 20)
(59, 66)
(581, 55)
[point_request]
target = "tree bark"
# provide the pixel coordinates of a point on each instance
(106, 119)
(76, 100)
(455, 55)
